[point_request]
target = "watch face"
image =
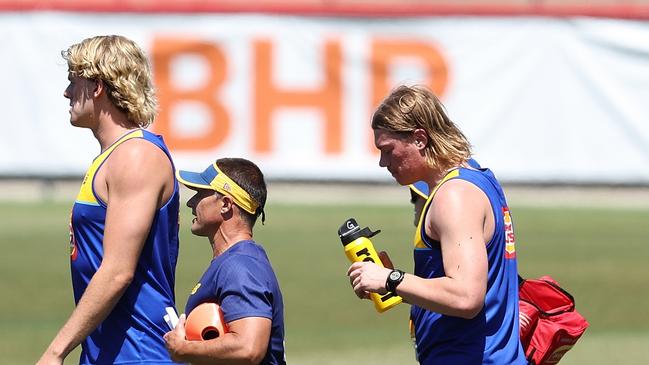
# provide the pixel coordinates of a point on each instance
(394, 275)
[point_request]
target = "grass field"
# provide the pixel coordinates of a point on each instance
(599, 255)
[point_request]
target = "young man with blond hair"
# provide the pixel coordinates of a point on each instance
(124, 222)
(464, 289)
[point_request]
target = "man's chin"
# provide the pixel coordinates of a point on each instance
(196, 231)
(401, 180)
(75, 123)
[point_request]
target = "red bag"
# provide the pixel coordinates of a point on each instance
(549, 323)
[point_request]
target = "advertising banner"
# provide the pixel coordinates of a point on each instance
(541, 99)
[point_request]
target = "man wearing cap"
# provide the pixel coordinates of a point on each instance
(230, 196)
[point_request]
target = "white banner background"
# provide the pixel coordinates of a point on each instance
(541, 99)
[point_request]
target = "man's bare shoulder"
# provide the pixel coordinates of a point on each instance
(139, 161)
(457, 201)
(457, 191)
(138, 152)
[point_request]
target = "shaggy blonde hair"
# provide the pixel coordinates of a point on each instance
(416, 107)
(123, 67)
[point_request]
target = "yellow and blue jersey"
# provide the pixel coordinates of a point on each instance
(132, 332)
(492, 337)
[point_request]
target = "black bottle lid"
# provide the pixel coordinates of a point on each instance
(350, 230)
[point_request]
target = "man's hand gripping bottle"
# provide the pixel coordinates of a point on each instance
(358, 247)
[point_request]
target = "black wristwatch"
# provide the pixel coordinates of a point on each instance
(394, 279)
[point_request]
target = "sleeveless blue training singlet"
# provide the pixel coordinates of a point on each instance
(492, 337)
(132, 332)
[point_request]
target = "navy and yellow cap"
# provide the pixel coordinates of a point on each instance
(420, 188)
(212, 178)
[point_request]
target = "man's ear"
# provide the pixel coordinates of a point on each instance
(420, 138)
(100, 87)
(227, 204)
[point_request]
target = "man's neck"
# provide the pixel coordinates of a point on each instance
(108, 136)
(224, 239)
(437, 176)
(112, 125)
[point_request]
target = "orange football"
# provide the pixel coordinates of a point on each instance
(205, 322)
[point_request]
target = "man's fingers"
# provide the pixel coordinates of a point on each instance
(181, 321)
(354, 266)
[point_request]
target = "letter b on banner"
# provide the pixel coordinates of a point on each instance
(171, 96)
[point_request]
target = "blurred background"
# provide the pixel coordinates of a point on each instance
(554, 96)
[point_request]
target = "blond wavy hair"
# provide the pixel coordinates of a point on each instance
(123, 67)
(416, 107)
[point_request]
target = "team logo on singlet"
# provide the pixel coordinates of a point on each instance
(510, 241)
(195, 289)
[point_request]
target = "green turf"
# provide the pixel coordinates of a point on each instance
(599, 255)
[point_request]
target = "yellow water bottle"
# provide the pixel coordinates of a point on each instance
(358, 247)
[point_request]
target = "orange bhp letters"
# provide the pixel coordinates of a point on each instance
(269, 96)
(164, 52)
(386, 51)
(205, 322)
(327, 99)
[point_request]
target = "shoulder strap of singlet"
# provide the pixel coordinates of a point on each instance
(86, 192)
(421, 240)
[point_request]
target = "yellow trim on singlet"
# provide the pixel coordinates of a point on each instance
(418, 241)
(86, 194)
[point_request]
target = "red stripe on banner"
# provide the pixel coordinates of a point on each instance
(625, 10)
